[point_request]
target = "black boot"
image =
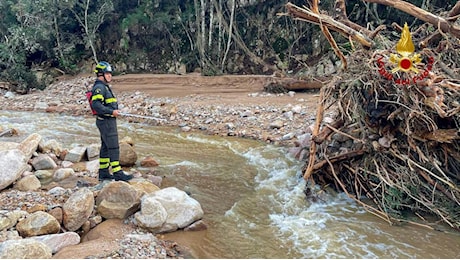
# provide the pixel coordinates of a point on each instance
(104, 174)
(121, 176)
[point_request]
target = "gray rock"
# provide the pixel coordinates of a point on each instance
(43, 162)
(76, 154)
(92, 151)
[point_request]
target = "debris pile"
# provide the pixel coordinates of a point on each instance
(394, 145)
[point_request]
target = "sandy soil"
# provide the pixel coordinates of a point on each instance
(228, 105)
(227, 89)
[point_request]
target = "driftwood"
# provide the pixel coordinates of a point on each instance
(9, 132)
(444, 25)
(453, 15)
(360, 34)
(5, 85)
(286, 85)
(307, 15)
(395, 141)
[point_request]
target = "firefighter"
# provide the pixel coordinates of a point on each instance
(106, 107)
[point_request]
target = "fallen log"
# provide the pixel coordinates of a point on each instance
(286, 85)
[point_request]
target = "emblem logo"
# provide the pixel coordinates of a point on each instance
(405, 60)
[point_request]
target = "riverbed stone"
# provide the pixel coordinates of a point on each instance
(29, 145)
(13, 166)
(92, 166)
(24, 249)
(63, 173)
(118, 200)
(92, 151)
(144, 185)
(128, 155)
(44, 175)
(58, 241)
(28, 183)
(152, 215)
(38, 223)
(149, 161)
(181, 210)
(77, 209)
(43, 162)
(50, 146)
(76, 154)
(8, 219)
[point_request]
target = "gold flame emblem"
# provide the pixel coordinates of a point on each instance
(406, 59)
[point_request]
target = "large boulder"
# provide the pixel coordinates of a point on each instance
(118, 200)
(13, 163)
(128, 155)
(30, 145)
(167, 210)
(77, 209)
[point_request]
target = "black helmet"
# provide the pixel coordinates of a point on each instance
(103, 67)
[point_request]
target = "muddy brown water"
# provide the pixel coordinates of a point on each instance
(252, 196)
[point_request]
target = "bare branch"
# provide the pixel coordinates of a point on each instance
(439, 22)
(309, 16)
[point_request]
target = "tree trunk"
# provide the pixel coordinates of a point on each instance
(199, 44)
(89, 35)
(58, 40)
(203, 25)
(230, 33)
(211, 24)
(221, 30)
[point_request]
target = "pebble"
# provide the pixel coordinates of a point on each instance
(269, 122)
(192, 112)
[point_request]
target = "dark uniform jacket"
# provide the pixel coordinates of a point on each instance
(103, 100)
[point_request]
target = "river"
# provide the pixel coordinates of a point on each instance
(252, 196)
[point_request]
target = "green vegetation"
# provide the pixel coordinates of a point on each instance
(210, 36)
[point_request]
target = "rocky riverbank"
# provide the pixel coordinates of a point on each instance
(53, 206)
(278, 119)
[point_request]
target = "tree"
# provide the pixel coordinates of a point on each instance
(21, 40)
(90, 16)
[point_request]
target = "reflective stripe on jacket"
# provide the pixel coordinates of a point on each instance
(104, 101)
